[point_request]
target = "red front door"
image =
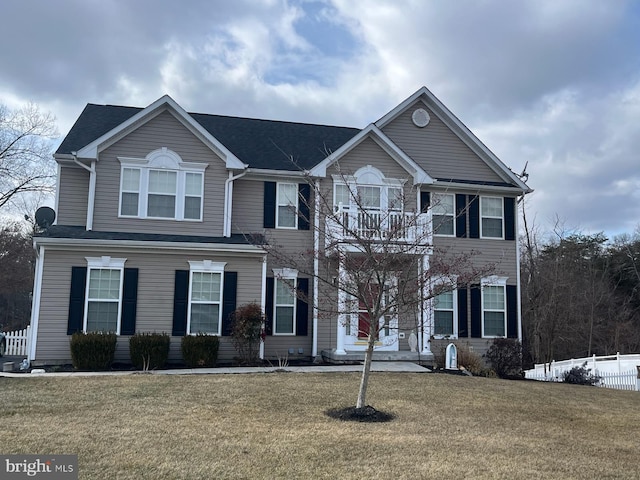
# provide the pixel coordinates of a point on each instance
(372, 292)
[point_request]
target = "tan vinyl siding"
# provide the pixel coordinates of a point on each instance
(367, 153)
(439, 151)
(156, 278)
(486, 252)
(163, 131)
(73, 196)
(248, 205)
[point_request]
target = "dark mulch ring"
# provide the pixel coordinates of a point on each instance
(365, 414)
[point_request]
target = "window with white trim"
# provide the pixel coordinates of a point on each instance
(205, 297)
(445, 322)
(161, 186)
(287, 205)
(491, 217)
(494, 307)
(341, 196)
(103, 300)
(284, 303)
(443, 214)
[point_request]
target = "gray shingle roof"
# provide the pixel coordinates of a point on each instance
(268, 144)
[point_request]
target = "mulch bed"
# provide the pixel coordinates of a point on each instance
(365, 414)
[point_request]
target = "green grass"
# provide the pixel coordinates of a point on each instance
(273, 426)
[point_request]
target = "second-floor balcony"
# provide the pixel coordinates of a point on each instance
(353, 225)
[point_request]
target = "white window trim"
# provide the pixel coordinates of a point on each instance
(206, 266)
(161, 159)
(452, 281)
(291, 275)
(494, 281)
(368, 177)
(491, 216)
(452, 215)
(103, 263)
(295, 207)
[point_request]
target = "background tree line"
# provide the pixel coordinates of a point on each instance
(580, 295)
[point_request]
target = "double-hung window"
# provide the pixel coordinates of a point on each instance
(442, 214)
(161, 186)
(491, 213)
(205, 297)
(444, 311)
(284, 305)
(341, 196)
(494, 313)
(287, 202)
(104, 294)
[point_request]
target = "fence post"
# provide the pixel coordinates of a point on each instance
(638, 379)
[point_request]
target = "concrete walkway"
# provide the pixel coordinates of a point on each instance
(404, 367)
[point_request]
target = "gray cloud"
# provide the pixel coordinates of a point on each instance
(555, 84)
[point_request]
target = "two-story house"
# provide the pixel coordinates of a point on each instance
(158, 211)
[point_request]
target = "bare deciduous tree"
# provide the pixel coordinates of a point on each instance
(26, 164)
(374, 264)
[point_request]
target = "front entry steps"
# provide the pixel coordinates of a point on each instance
(330, 356)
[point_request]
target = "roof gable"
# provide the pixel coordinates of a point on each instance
(373, 132)
(459, 129)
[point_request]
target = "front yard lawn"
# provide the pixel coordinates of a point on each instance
(274, 426)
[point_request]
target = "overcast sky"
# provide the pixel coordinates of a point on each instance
(552, 83)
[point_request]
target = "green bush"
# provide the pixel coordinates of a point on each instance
(149, 350)
(505, 357)
(93, 351)
(246, 332)
(200, 350)
(581, 376)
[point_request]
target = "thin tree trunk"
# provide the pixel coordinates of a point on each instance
(364, 381)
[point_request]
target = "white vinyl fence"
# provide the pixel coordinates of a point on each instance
(18, 342)
(621, 372)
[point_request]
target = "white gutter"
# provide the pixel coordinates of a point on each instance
(316, 267)
(92, 242)
(35, 304)
(277, 173)
(92, 189)
(228, 202)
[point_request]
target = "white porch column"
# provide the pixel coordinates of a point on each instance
(342, 308)
(425, 321)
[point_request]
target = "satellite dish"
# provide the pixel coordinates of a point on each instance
(45, 217)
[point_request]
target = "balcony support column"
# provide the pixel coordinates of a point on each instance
(342, 307)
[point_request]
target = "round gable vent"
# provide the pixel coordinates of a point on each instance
(420, 117)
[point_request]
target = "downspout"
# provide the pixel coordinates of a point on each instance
(316, 266)
(228, 202)
(92, 188)
(35, 303)
(518, 289)
(263, 303)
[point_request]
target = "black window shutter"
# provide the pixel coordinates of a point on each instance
(76, 299)
(304, 197)
(269, 205)
(229, 292)
(512, 311)
(302, 308)
(425, 201)
(463, 329)
(474, 217)
(509, 218)
(461, 216)
(129, 301)
(180, 303)
(268, 314)
(476, 312)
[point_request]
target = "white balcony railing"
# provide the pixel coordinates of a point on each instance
(377, 225)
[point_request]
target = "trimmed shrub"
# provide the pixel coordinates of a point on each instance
(200, 350)
(505, 357)
(93, 351)
(581, 376)
(149, 350)
(246, 332)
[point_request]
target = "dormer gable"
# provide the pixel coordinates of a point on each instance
(163, 104)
